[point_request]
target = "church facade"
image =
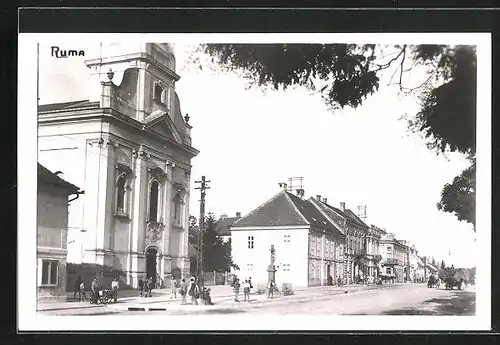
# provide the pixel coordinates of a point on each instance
(129, 148)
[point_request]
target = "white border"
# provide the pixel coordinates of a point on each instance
(29, 320)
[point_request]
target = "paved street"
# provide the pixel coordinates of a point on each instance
(397, 299)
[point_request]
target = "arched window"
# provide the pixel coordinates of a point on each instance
(120, 194)
(153, 201)
(158, 92)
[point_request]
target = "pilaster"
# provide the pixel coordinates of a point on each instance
(139, 166)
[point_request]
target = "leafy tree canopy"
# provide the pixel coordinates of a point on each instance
(346, 74)
(216, 252)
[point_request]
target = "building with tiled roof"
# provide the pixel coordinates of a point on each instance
(308, 246)
(53, 195)
(223, 225)
(128, 145)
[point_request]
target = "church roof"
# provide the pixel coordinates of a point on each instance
(68, 105)
(285, 209)
(47, 177)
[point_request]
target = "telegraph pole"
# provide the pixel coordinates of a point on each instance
(201, 224)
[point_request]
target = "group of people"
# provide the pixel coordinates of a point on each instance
(95, 287)
(146, 287)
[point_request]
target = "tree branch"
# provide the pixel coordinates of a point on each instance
(386, 65)
(401, 68)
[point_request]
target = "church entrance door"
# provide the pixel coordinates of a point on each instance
(151, 264)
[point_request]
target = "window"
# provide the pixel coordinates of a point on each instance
(250, 242)
(249, 267)
(388, 271)
(120, 194)
(158, 92)
(49, 272)
(389, 251)
(287, 238)
(286, 267)
(123, 190)
(153, 201)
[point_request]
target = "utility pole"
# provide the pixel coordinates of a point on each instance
(201, 224)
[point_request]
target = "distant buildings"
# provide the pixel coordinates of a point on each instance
(313, 241)
(52, 233)
(223, 226)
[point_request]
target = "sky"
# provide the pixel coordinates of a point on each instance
(250, 140)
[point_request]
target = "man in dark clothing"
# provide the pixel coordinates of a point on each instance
(141, 286)
(78, 281)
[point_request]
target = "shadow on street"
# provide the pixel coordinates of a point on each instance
(460, 303)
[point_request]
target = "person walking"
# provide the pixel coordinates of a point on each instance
(246, 291)
(183, 291)
(236, 287)
(83, 294)
(151, 286)
(94, 290)
(270, 289)
(141, 286)
(115, 285)
(173, 285)
(193, 291)
(77, 288)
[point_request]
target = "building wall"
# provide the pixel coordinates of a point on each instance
(325, 257)
(73, 149)
(291, 257)
(51, 241)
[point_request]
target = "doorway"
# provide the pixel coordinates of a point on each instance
(151, 264)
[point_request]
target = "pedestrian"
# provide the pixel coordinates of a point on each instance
(246, 291)
(146, 288)
(94, 290)
(250, 282)
(193, 291)
(270, 289)
(82, 291)
(339, 281)
(115, 285)
(77, 288)
(236, 287)
(173, 285)
(141, 286)
(151, 286)
(183, 291)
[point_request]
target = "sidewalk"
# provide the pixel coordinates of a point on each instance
(224, 298)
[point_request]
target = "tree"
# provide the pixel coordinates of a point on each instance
(346, 74)
(443, 266)
(216, 253)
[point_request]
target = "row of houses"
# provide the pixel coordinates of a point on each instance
(314, 241)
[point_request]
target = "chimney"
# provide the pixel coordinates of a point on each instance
(238, 214)
(318, 197)
(300, 193)
(59, 174)
(342, 206)
(324, 200)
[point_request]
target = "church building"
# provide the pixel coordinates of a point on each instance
(128, 146)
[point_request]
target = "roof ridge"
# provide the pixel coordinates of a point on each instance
(322, 211)
(295, 207)
(258, 208)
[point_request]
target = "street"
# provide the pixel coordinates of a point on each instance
(389, 299)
